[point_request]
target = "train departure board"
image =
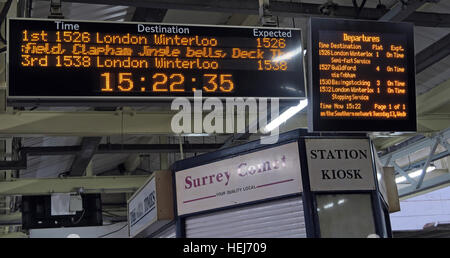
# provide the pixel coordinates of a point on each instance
(62, 59)
(362, 76)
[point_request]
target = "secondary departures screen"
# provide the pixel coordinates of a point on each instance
(52, 58)
(362, 76)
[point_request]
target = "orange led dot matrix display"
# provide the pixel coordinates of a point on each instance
(80, 60)
(362, 76)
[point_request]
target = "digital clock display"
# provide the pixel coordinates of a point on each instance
(82, 60)
(362, 76)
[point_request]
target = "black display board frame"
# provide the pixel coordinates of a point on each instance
(250, 85)
(318, 124)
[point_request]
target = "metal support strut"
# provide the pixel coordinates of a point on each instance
(265, 15)
(56, 10)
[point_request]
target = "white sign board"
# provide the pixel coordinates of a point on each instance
(60, 204)
(142, 208)
(255, 176)
(340, 164)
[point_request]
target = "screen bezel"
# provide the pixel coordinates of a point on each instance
(140, 100)
(317, 124)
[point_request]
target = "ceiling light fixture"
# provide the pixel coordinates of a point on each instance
(414, 174)
(285, 116)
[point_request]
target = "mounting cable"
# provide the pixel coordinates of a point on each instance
(28, 8)
(79, 219)
(293, 19)
(359, 8)
(381, 5)
(111, 214)
(181, 147)
(328, 8)
(56, 10)
(265, 15)
(126, 224)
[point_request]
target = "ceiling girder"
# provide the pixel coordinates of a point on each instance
(120, 148)
(433, 99)
(401, 10)
(278, 8)
(89, 146)
(433, 53)
(102, 149)
(11, 219)
(427, 186)
(413, 147)
(420, 184)
(95, 184)
(149, 14)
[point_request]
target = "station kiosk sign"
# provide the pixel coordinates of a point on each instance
(150, 209)
(340, 164)
(344, 187)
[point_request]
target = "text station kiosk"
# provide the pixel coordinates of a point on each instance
(306, 185)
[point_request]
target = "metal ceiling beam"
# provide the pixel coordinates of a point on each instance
(36, 123)
(433, 122)
(240, 6)
(155, 148)
(89, 146)
(434, 98)
(428, 185)
(88, 123)
(433, 53)
(83, 162)
(420, 184)
(118, 149)
(50, 150)
(125, 122)
(430, 55)
(14, 235)
(421, 163)
(402, 172)
(278, 8)
(96, 184)
(13, 165)
(402, 10)
(413, 147)
(427, 19)
(427, 163)
(404, 144)
(11, 219)
(149, 14)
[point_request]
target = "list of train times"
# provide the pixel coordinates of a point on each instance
(363, 75)
(106, 50)
(151, 60)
